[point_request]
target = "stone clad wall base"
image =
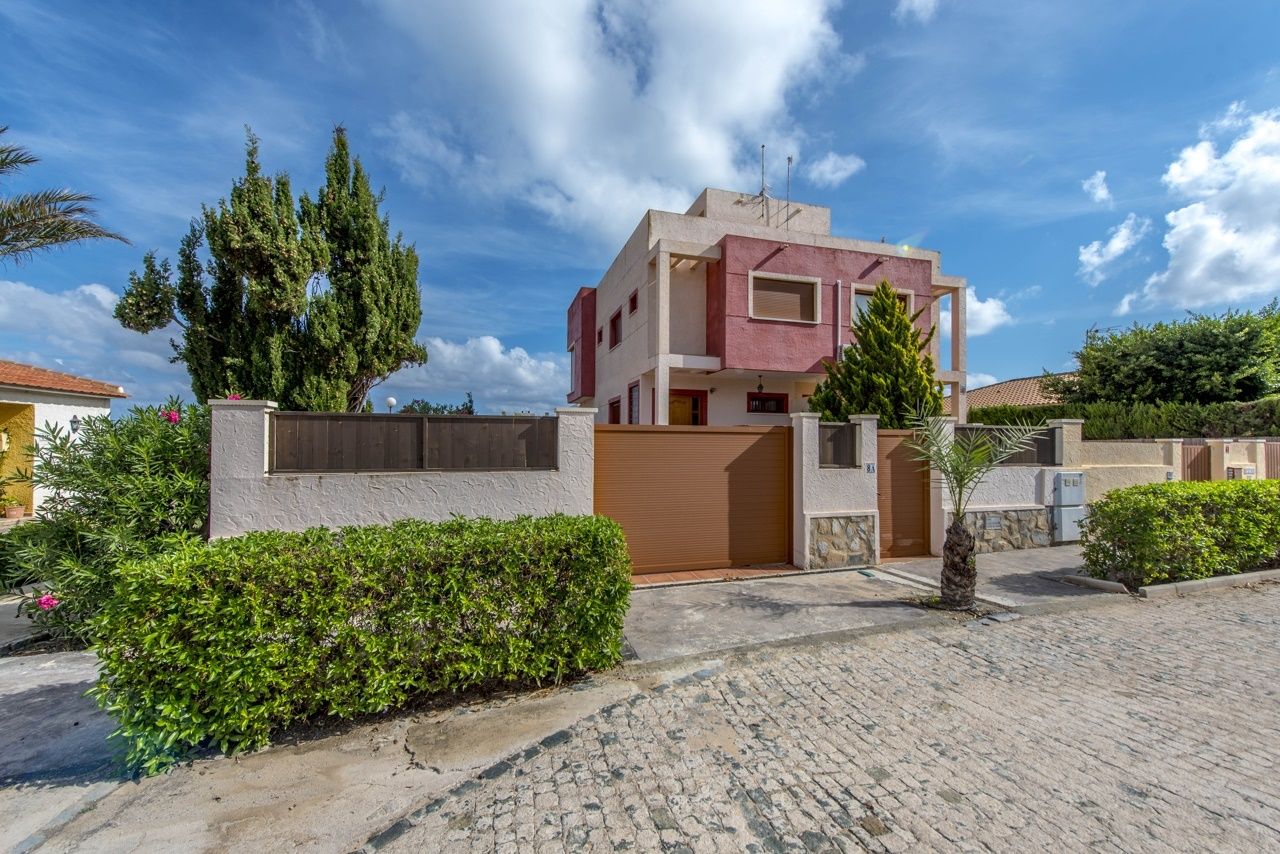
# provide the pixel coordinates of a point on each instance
(840, 541)
(1002, 530)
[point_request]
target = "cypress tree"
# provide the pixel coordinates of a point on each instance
(887, 371)
(309, 304)
(362, 326)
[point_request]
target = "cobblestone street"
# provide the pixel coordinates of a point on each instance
(1130, 727)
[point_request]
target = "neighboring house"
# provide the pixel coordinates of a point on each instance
(1024, 391)
(724, 314)
(31, 397)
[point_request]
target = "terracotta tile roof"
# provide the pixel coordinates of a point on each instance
(29, 376)
(1025, 391)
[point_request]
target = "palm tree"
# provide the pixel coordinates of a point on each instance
(30, 222)
(962, 461)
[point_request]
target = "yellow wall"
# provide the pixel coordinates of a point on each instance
(19, 419)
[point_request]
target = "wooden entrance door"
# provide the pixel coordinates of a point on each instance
(686, 407)
(903, 497)
(697, 497)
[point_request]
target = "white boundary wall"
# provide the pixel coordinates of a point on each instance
(244, 497)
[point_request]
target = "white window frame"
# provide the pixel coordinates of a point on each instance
(816, 281)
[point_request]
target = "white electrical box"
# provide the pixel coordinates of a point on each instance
(1242, 472)
(1068, 488)
(1066, 524)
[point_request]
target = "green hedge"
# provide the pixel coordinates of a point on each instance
(1179, 531)
(224, 642)
(1147, 420)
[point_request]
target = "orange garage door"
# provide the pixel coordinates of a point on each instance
(697, 497)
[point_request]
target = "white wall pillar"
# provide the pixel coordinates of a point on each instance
(239, 448)
(833, 499)
(939, 498)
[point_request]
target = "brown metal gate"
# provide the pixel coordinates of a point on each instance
(1195, 460)
(902, 483)
(696, 497)
(1273, 460)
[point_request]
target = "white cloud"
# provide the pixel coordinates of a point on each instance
(981, 316)
(593, 111)
(500, 378)
(832, 170)
(1098, 257)
(1224, 245)
(74, 331)
(922, 10)
(977, 379)
(1096, 186)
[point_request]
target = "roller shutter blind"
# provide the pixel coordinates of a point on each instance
(780, 299)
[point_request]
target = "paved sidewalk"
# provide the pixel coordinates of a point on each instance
(1014, 578)
(1136, 726)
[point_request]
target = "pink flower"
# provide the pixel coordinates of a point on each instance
(234, 396)
(47, 602)
(171, 415)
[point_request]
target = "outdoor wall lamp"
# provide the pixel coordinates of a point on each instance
(760, 387)
(75, 423)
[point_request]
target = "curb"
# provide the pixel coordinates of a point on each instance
(1178, 588)
(1095, 583)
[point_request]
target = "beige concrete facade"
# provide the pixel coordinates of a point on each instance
(663, 342)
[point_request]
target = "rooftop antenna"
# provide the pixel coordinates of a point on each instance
(764, 190)
(787, 216)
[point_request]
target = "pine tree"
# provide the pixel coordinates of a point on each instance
(887, 371)
(308, 305)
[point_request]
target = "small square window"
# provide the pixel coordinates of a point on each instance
(789, 299)
(767, 403)
(633, 403)
(633, 302)
(615, 329)
(862, 300)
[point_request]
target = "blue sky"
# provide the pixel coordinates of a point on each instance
(519, 143)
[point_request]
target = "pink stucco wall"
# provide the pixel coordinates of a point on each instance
(766, 345)
(582, 337)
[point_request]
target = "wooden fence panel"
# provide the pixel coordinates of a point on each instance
(350, 442)
(1273, 460)
(1044, 450)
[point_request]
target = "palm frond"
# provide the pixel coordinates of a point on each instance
(13, 157)
(962, 461)
(34, 221)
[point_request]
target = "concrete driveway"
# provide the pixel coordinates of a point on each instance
(667, 622)
(1013, 578)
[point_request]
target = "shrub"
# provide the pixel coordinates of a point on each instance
(118, 490)
(1148, 420)
(1179, 531)
(224, 642)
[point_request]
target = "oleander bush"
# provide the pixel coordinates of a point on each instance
(1257, 418)
(1183, 530)
(120, 489)
(223, 643)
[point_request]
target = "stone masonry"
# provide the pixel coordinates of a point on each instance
(840, 541)
(1135, 727)
(1002, 530)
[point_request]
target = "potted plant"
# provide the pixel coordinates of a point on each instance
(13, 509)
